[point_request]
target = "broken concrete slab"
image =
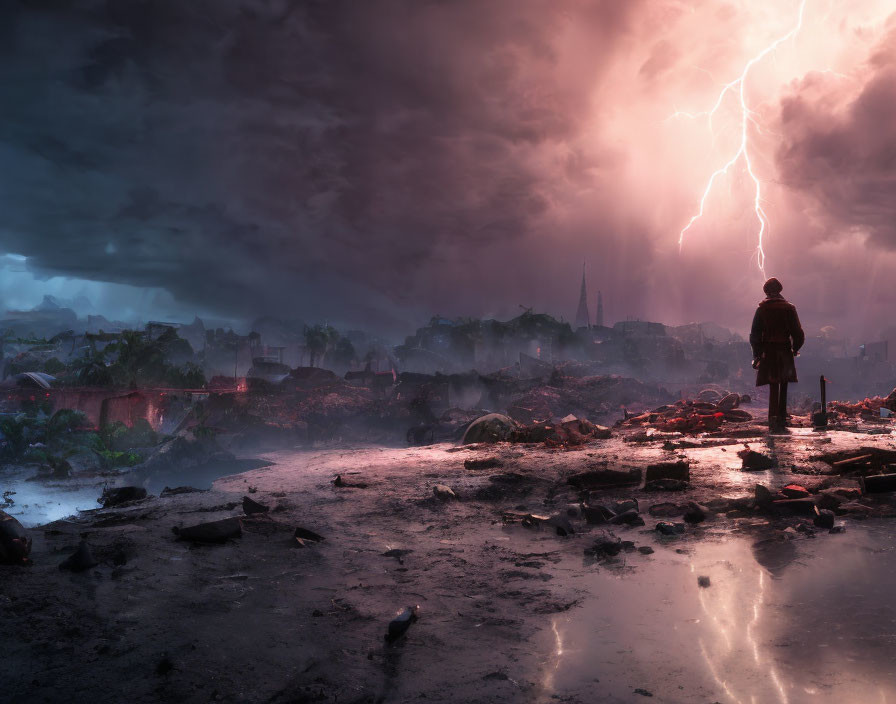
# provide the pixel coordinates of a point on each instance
(878, 483)
(251, 506)
(80, 560)
(756, 461)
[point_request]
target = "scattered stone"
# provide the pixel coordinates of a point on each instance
(666, 528)
(630, 518)
(211, 532)
(303, 536)
(680, 470)
(626, 505)
(81, 559)
(250, 506)
(499, 676)
(695, 513)
(166, 492)
(838, 529)
(399, 625)
(703, 582)
(666, 485)
(824, 519)
(755, 461)
(795, 491)
(797, 507)
(398, 554)
(666, 510)
(605, 478)
(628, 545)
(443, 493)
(484, 463)
(645, 550)
(15, 545)
(643, 692)
(114, 496)
(573, 510)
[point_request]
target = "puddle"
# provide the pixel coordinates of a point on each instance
(807, 620)
(38, 502)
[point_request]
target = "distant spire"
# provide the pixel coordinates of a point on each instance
(583, 319)
(599, 319)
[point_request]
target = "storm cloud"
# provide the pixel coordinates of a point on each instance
(373, 163)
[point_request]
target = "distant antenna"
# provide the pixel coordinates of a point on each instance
(583, 319)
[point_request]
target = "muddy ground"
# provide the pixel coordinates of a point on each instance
(260, 620)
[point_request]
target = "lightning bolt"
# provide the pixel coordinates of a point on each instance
(737, 87)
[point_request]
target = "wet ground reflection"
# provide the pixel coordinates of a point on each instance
(782, 621)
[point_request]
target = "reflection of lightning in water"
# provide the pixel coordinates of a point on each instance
(737, 87)
(715, 675)
(547, 682)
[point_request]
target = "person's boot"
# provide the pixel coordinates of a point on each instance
(772, 424)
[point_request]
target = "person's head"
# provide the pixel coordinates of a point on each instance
(772, 287)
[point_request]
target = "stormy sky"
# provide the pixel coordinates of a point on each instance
(371, 163)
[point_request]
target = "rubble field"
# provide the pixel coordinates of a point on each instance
(281, 583)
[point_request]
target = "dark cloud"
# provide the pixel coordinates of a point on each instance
(840, 146)
(327, 159)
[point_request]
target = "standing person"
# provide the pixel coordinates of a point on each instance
(776, 338)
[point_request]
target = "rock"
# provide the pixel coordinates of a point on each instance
(626, 505)
(399, 625)
(303, 536)
(795, 491)
(695, 513)
(666, 528)
(443, 493)
(166, 492)
(605, 478)
(629, 518)
(830, 499)
(729, 402)
(680, 470)
(666, 510)
(251, 506)
(15, 545)
(81, 559)
(211, 532)
(491, 428)
(755, 461)
(824, 519)
(484, 463)
(764, 497)
(838, 529)
(666, 485)
(703, 582)
(605, 545)
(113, 496)
(643, 692)
(645, 550)
(573, 510)
(596, 514)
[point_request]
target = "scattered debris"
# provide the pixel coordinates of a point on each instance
(342, 484)
(399, 625)
(666, 528)
(755, 461)
(251, 506)
(166, 492)
(606, 544)
(795, 491)
(878, 483)
(824, 518)
(666, 510)
(680, 470)
(605, 478)
(211, 532)
(645, 550)
(703, 582)
(443, 493)
(303, 536)
(491, 428)
(695, 513)
(666, 485)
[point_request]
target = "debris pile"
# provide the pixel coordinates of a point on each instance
(688, 416)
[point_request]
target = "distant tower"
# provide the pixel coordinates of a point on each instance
(599, 318)
(583, 319)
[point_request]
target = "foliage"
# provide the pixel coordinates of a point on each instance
(15, 431)
(319, 339)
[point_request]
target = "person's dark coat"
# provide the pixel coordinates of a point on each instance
(776, 336)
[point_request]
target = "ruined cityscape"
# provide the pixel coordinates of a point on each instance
(482, 351)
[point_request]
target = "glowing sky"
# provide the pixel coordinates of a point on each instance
(372, 163)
